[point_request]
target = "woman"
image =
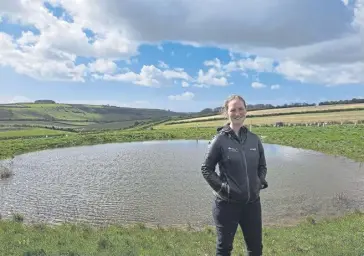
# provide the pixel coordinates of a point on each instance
(239, 154)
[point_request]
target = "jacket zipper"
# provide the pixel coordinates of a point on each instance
(241, 144)
(247, 176)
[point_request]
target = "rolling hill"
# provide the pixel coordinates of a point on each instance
(78, 113)
(78, 116)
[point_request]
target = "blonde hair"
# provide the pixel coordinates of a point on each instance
(224, 108)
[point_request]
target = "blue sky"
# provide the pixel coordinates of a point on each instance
(101, 54)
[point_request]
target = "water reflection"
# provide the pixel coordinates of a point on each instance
(160, 182)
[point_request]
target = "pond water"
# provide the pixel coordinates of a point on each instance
(160, 182)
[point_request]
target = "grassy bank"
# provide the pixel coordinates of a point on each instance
(344, 140)
(9, 148)
(343, 236)
(339, 140)
(30, 132)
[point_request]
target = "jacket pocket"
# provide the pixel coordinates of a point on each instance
(259, 183)
(225, 190)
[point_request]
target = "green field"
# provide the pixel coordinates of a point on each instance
(78, 113)
(345, 140)
(42, 124)
(37, 132)
(339, 237)
(77, 117)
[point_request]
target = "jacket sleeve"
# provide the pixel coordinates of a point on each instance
(212, 157)
(262, 169)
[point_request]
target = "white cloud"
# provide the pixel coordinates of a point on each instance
(275, 86)
(150, 76)
(358, 21)
(51, 55)
(162, 64)
(103, 66)
(40, 63)
(219, 72)
(184, 96)
(258, 64)
(216, 63)
(27, 38)
(176, 74)
(329, 75)
(212, 77)
(215, 75)
(201, 85)
(185, 84)
(304, 47)
(257, 85)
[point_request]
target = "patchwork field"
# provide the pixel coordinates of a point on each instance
(342, 116)
(76, 117)
(284, 111)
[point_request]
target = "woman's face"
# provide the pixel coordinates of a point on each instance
(236, 111)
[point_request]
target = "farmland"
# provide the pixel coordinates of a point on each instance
(337, 113)
(337, 117)
(77, 117)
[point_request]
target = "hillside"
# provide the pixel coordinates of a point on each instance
(78, 117)
(78, 113)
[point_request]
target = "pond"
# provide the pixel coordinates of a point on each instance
(160, 182)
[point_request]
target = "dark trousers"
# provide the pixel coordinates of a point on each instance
(228, 216)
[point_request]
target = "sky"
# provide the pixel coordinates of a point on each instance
(182, 55)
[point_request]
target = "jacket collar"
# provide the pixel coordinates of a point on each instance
(227, 129)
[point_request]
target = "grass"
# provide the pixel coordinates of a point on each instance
(343, 140)
(339, 140)
(341, 236)
(42, 124)
(29, 132)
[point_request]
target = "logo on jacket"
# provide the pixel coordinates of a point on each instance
(232, 149)
(253, 149)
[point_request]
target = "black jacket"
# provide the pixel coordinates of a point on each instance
(242, 165)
